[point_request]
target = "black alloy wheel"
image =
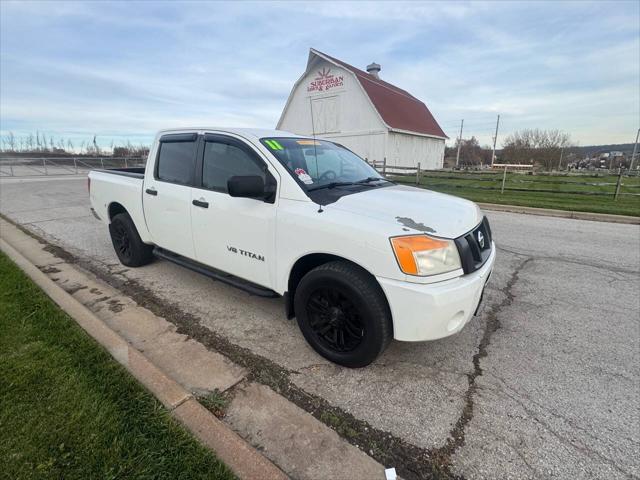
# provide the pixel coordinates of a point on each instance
(343, 314)
(121, 241)
(335, 320)
(131, 250)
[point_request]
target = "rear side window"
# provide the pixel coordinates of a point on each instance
(177, 160)
(223, 161)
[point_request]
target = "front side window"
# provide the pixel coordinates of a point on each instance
(318, 163)
(177, 162)
(223, 161)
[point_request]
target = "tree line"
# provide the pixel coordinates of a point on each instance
(39, 143)
(543, 148)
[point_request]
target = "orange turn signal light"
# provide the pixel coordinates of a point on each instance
(404, 248)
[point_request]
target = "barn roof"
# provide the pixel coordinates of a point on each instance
(398, 108)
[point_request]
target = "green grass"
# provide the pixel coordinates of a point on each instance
(68, 410)
(559, 192)
(216, 402)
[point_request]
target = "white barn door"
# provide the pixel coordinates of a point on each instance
(326, 114)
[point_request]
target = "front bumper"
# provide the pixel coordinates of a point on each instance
(436, 310)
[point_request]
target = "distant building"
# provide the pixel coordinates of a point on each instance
(375, 119)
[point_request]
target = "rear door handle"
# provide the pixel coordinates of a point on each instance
(200, 203)
(152, 191)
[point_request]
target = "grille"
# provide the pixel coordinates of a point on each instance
(475, 247)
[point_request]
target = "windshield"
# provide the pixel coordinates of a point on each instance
(318, 163)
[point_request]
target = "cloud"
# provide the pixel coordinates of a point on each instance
(129, 68)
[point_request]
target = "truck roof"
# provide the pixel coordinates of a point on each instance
(255, 133)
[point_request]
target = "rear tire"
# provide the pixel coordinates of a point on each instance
(343, 314)
(131, 250)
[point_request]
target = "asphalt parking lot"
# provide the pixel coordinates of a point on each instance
(544, 383)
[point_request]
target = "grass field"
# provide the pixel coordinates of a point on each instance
(543, 191)
(68, 410)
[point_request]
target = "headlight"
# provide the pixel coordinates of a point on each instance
(423, 255)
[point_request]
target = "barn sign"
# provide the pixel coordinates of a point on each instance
(325, 81)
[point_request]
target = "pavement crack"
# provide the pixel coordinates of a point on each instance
(582, 262)
(457, 435)
(184, 400)
(574, 443)
(516, 450)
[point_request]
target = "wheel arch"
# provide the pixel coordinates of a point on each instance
(308, 262)
(114, 209)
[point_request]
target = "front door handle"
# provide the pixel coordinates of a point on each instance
(201, 203)
(152, 191)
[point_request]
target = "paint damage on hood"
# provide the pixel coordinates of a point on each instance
(411, 223)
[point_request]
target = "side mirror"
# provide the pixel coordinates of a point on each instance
(247, 186)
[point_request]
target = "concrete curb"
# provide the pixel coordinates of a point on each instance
(547, 212)
(245, 461)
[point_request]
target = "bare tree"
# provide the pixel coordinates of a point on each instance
(44, 143)
(471, 153)
(535, 147)
(96, 148)
(31, 143)
(40, 143)
(11, 142)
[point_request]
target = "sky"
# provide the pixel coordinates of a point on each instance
(123, 70)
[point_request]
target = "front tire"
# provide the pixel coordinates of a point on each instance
(343, 314)
(131, 250)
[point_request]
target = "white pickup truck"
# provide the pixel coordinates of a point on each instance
(358, 259)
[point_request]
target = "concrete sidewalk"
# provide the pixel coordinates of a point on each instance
(179, 371)
(549, 212)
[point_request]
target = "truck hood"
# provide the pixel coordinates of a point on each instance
(414, 210)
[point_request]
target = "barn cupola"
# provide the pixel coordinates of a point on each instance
(373, 69)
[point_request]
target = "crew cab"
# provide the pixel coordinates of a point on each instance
(359, 259)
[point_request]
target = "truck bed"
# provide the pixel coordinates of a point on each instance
(122, 187)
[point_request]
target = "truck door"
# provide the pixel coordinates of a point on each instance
(167, 193)
(235, 235)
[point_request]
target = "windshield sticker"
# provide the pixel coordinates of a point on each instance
(307, 142)
(303, 176)
(273, 145)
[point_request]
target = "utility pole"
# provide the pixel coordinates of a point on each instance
(635, 149)
(459, 142)
(560, 162)
(495, 138)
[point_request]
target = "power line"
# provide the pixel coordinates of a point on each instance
(471, 125)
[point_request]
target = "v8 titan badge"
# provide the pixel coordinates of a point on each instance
(303, 176)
